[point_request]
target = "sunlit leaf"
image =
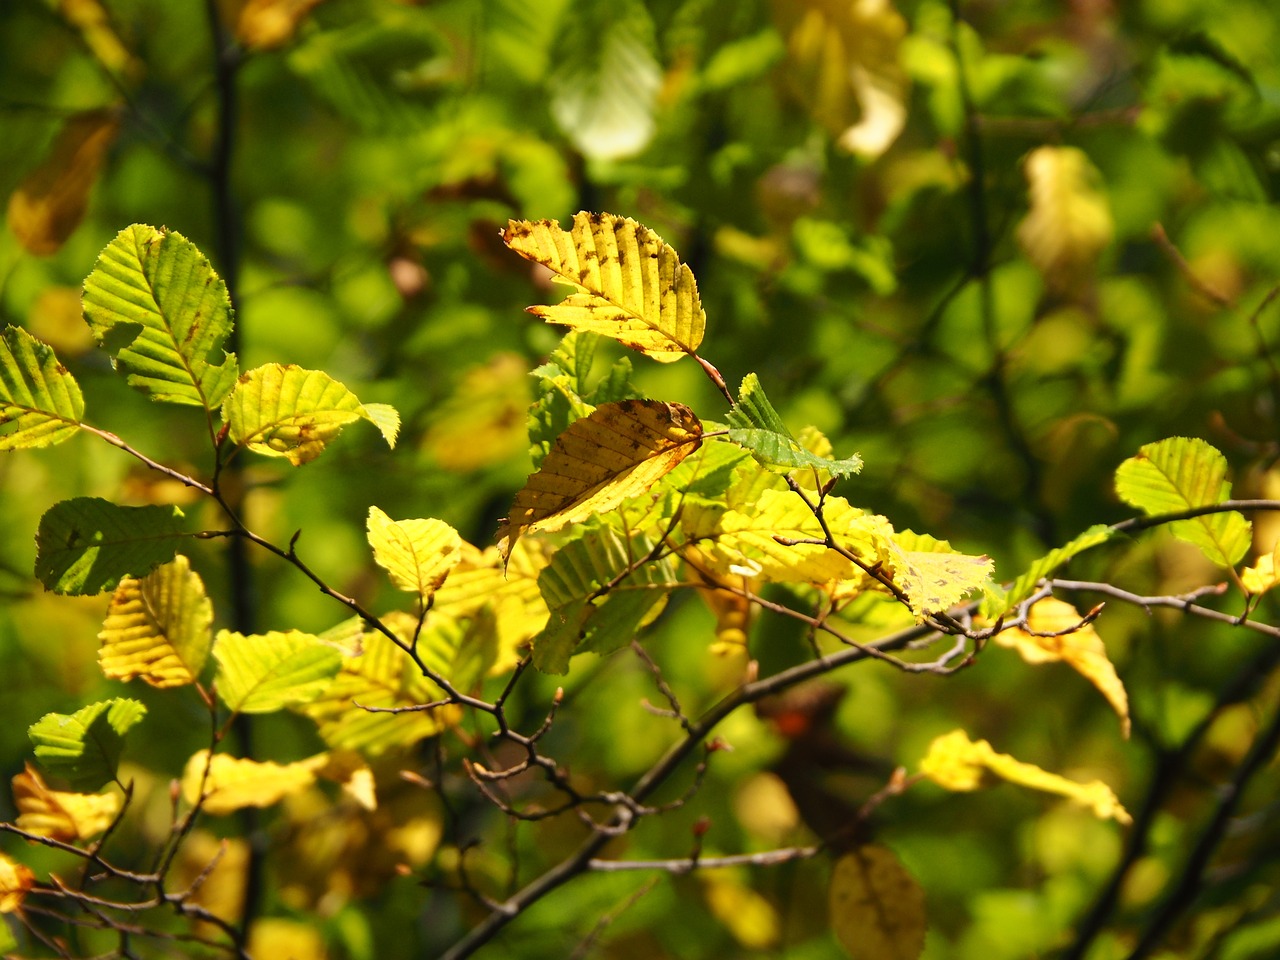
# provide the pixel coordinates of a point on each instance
(281, 410)
(605, 80)
(1179, 474)
(84, 747)
(69, 817)
(49, 204)
(617, 452)
(1053, 632)
(261, 673)
(86, 545)
(756, 425)
(933, 576)
(1264, 575)
(998, 604)
(957, 763)
(15, 880)
(417, 554)
(482, 422)
(876, 906)
(93, 21)
(40, 402)
(158, 627)
(1069, 223)
(156, 305)
(746, 914)
(232, 784)
(632, 285)
(267, 24)
(282, 937)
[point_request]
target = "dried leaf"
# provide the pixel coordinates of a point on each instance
(877, 907)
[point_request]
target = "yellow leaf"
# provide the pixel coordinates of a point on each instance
(484, 421)
(933, 576)
(278, 937)
(51, 201)
(745, 913)
(94, 24)
(60, 815)
(954, 762)
(1262, 577)
(632, 285)
(158, 627)
(1053, 632)
(877, 907)
(15, 881)
(267, 24)
(1069, 222)
(617, 452)
(418, 554)
(350, 771)
(233, 784)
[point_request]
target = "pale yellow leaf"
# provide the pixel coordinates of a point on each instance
(61, 815)
(747, 915)
(877, 907)
(632, 285)
(93, 21)
(417, 554)
(350, 771)
(1069, 222)
(267, 24)
(1263, 576)
(617, 452)
(955, 762)
(286, 939)
(933, 576)
(232, 784)
(158, 627)
(1053, 632)
(15, 880)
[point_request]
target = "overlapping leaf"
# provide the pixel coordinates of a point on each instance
(86, 545)
(877, 907)
(756, 425)
(1179, 474)
(158, 627)
(933, 576)
(565, 393)
(156, 305)
(999, 603)
(261, 673)
(84, 747)
(617, 452)
(230, 784)
(955, 762)
(40, 402)
(632, 285)
(68, 817)
(282, 410)
(417, 554)
(1263, 575)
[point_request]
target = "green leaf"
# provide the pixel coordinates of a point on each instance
(565, 394)
(1183, 473)
(997, 604)
(40, 402)
(418, 554)
(156, 305)
(281, 410)
(755, 425)
(262, 673)
(84, 748)
(85, 545)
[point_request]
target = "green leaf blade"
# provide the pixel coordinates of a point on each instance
(262, 673)
(84, 747)
(40, 402)
(755, 425)
(86, 545)
(998, 604)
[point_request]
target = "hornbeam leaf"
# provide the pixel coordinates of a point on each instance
(756, 425)
(40, 402)
(997, 604)
(619, 451)
(224, 784)
(1069, 223)
(158, 627)
(85, 545)
(632, 285)
(877, 907)
(1264, 575)
(262, 673)
(64, 816)
(418, 554)
(156, 305)
(84, 748)
(933, 576)
(1182, 473)
(15, 880)
(281, 410)
(955, 762)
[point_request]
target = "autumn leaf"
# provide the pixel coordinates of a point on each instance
(876, 906)
(619, 451)
(1069, 222)
(1264, 575)
(40, 401)
(1055, 631)
(417, 554)
(268, 24)
(15, 880)
(226, 784)
(746, 914)
(932, 575)
(955, 762)
(632, 285)
(65, 816)
(261, 673)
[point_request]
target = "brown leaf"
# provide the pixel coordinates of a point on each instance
(877, 907)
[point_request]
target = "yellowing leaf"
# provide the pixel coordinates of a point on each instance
(998, 603)
(418, 554)
(632, 286)
(281, 410)
(483, 422)
(756, 425)
(50, 203)
(62, 816)
(262, 673)
(954, 762)
(1264, 575)
(877, 907)
(1179, 474)
(279, 937)
(1053, 632)
(267, 24)
(747, 915)
(40, 402)
(158, 627)
(94, 24)
(933, 576)
(233, 784)
(1069, 223)
(618, 452)
(15, 881)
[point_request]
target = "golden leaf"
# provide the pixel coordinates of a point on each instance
(957, 763)
(278, 937)
(877, 907)
(1054, 631)
(618, 452)
(632, 285)
(267, 24)
(61, 815)
(933, 576)
(1264, 575)
(93, 21)
(417, 554)
(51, 201)
(15, 881)
(1069, 223)
(233, 784)
(747, 915)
